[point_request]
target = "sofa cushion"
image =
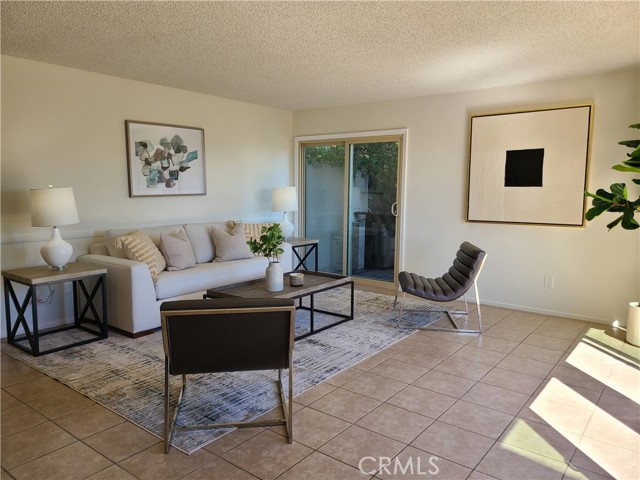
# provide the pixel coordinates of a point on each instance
(201, 241)
(208, 275)
(139, 247)
(230, 246)
(251, 230)
(153, 232)
(176, 250)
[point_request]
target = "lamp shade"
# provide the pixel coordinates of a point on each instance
(52, 206)
(284, 199)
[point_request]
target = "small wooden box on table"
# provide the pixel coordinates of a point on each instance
(314, 283)
(34, 277)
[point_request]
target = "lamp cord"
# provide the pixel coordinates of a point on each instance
(49, 299)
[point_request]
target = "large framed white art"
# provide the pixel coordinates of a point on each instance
(529, 167)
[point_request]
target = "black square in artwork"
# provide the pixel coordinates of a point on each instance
(523, 168)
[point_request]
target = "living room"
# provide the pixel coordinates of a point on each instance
(65, 126)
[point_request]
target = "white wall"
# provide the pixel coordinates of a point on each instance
(596, 272)
(65, 127)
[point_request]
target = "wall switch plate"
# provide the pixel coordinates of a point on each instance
(548, 281)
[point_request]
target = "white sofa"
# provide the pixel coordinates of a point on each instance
(134, 299)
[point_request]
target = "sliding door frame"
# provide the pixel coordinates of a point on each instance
(401, 135)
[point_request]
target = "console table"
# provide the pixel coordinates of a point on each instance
(83, 302)
(310, 245)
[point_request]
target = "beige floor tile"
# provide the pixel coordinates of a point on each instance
(309, 396)
(453, 337)
(578, 474)
(32, 443)
(219, 468)
(349, 406)
(121, 441)
(400, 371)
(479, 355)
(494, 343)
(395, 422)
(355, 443)
(8, 401)
(507, 462)
(510, 380)
(36, 388)
(622, 408)
(437, 345)
(314, 428)
(476, 475)
(505, 333)
(61, 403)
(88, 421)
(495, 397)
(553, 343)
(419, 357)
(114, 472)
(478, 419)
(541, 439)
(373, 361)
(453, 443)
(527, 366)
(444, 383)
(537, 353)
(318, 465)
(415, 464)
(374, 386)
(557, 332)
(153, 463)
(463, 368)
(617, 462)
(512, 324)
(606, 428)
(13, 372)
(568, 419)
(267, 455)
(233, 439)
(585, 465)
(19, 418)
(343, 377)
(72, 462)
(422, 401)
(576, 378)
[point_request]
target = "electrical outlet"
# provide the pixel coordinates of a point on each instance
(548, 281)
(68, 288)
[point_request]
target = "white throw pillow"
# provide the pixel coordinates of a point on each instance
(230, 246)
(177, 251)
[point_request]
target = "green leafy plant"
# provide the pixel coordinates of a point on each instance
(269, 242)
(617, 200)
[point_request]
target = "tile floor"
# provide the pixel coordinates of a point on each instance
(534, 397)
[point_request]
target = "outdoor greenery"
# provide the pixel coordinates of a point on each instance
(617, 200)
(269, 242)
(376, 162)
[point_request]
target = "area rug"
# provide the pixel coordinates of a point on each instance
(127, 375)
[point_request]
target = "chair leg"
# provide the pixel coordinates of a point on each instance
(395, 300)
(401, 308)
(169, 423)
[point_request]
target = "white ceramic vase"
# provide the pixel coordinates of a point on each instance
(633, 324)
(274, 277)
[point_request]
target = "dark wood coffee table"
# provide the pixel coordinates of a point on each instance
(314, 283)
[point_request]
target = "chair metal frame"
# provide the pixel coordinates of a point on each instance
(450, 313)
(170, 423)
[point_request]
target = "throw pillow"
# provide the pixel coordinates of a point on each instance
(251, 230)
(230, 246)
(176, 250)
(139, 247)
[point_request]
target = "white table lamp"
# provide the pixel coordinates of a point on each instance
(285, 199)
(52, 207)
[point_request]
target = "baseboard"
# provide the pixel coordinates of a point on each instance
(543, 311)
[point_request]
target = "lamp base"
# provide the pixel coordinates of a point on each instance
(56, 252)
(286, 226)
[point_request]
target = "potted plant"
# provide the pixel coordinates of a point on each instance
(269, 246)
(617, 201)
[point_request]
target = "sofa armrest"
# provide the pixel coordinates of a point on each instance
(131, 294)
(286, 259)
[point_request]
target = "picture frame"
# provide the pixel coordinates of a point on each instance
(165, 160)
(530, 167)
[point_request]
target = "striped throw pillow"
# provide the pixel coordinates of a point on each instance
(139, 247)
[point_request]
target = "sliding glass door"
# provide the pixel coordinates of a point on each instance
(350, 205)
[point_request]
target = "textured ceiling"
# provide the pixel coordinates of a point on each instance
(299, 55)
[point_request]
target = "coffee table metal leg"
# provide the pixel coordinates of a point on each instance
(311, 325)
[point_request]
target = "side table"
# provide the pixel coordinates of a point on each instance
(310, 245)
(34, 277)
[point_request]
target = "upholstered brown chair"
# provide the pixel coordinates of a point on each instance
(454, 284)
(227, 335)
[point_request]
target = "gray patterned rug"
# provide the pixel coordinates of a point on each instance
(127, 375)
